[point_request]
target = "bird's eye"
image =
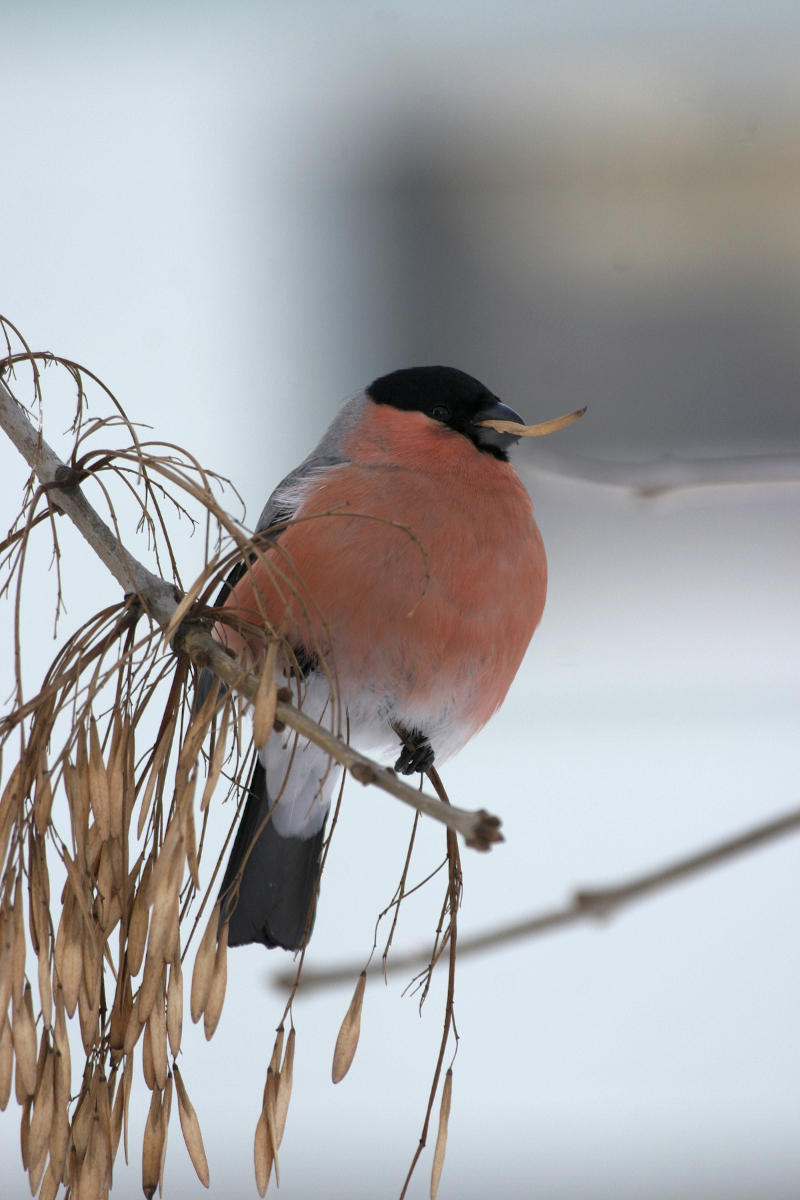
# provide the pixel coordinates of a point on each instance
(441, 412)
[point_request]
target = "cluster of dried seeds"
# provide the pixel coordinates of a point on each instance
(275, 1106)
(74, 1141)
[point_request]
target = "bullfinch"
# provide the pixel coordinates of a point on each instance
(407, 575)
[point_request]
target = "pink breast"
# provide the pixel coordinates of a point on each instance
(426, 578)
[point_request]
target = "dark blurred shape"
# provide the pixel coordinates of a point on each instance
(650, 273)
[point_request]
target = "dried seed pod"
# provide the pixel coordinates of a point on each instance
(20, 1092)
(41, 730)
(114, 745)
(42, 1115)
(116, 1121)
(98, 782)
(120, 1016)
(347, 1041)
(164, 919)
(204, 966)
(266, 699)
(43, 801)
(118, 869)
(269, 1107)
(114, 915)
(284, 1093)
(23, 1031)
(89, 1018)
(50, 1184)
(34, 903)
(6, 1062)
(94, 846)
(84, 782)
(190, 834)
(129, 890)
(72, 969)
(103, 1175)
(151, 1146)
(82, 1121)
(19, 943)
(105, 886)
(164, 868)
(175, 1006)
(10, 808)
(104, 1117)
(157, 1028)
(441, 1137)
(218, 759)
(45, 993)
(6, 958)
(78, 798)
(158, 762)
(116, 782)
(91, 965)
(91, 986)
(172, 944)
(140, 919)
(166, 1109)
(68, 900)
(164, 922)
(25, 1130)
(73, 1172)
(262, 1153)
(194, 740)
(219, 982)
(542, 430)
(36, 1171)
(277, 1052)
(134, 1028)
(148, 1066)
(61, 1039)
(59, 1131)
(129, 788)
(153, 970)
(43, 875)
(92, 1172)
(127, 1079)
(44, 1046)
(190, 1127)
(73, 959)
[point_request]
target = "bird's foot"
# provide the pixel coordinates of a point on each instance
(416, 755)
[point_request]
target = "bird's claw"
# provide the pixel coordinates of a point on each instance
(417, 754)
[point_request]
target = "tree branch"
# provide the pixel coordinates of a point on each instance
(160, 600)
(157, 596)
(667, 473)
(586, 904)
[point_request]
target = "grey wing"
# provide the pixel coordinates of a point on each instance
(329, 452)
(288, 496)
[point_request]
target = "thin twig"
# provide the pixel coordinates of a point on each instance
(454, 899)
(587, 904)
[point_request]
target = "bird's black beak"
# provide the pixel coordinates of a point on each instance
(490, 437)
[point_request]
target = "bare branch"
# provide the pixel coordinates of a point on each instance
(160, 599)
(667, 473)
(156, 594)
(587, 904)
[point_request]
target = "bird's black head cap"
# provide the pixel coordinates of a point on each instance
(449, 396)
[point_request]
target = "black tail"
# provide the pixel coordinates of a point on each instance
(276, 892)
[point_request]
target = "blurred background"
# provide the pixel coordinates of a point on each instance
(238, 215)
